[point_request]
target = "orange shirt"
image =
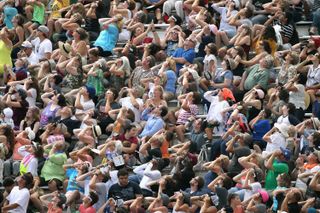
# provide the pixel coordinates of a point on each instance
(52, 209)
(164, 149)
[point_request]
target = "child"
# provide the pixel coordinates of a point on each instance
(6, 117)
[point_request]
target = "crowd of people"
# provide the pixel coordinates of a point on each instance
(102, 111)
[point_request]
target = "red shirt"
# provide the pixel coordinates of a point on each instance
(90, 209)
(122, 138)
(52, 209)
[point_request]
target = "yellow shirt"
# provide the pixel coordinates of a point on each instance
(5, 56)
(58, 5)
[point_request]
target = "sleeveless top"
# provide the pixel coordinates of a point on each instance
(5, 56)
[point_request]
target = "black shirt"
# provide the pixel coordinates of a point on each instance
(128, 192)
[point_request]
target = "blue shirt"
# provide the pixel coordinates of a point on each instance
(260, 128)
(108, 38)
(9, 13)
(188, 55)
(153, 125)
(72, 183)
(171, 81)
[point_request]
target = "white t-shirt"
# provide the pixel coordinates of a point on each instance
(87, 105)
(41, 48)
(148, 175)
(283, 120)
(277, 141)
(254, 189)
(297, 98)
(206, 61)
(31, 99)
(20, 197)
(216, 107)
(33, 59)
(126, 102)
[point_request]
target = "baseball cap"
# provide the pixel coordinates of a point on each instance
(91, 91)
(165, 199)
(26, 44)
(264, 195)
(43, 29)
(286, 153)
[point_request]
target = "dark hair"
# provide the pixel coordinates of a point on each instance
(129, 127)
(28, 177)
(200, 181)
(151, 61)
(82, 32)
(227, 182)
(240, 51)
(61, 100)
(164, 111)
(23, 94)
(131, 5)
(38, 153)
(115, 93)
(94, 197)
(123, 172)
(267, 112)
(249, 11)
(8, 181)
(269, 33)
(284, 95)
(291, 108)
(57, 79)
(289, 16)
(231, 197)
(266, 46)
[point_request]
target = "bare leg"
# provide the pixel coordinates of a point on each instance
(36, 202)
(224, 38)
(180, 132)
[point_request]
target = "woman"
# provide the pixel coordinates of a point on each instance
(260, 125)
(75, 75)
(5, 51)
(313, 74)
(108, 37)
(31, 154)
(288, 68)
(56, 203)
(253, 100)
(168, 73)
(33, 90)
(277, 99)
(120, 71)
(31, 120)
(54, 102)
(237, 54)
(269, 35)
(234, 204)
(19, 105)
(243, 38)
(209, 67)
(224, 76)
(156, 99)
(95, 78)
(19, 35)
(264, 50)
(88, 202)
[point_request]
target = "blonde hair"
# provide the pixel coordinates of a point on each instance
(172, 64)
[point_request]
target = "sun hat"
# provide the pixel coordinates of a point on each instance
(43, 29)
(65, 48)
(8, 113)
(96, 130)
(283, 128)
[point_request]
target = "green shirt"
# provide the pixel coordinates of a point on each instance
(97, 82)
(53, 167)
(272, 174)
(38, 13)
(256, 76)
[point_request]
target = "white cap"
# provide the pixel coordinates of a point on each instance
(8, 113)
(26, 44)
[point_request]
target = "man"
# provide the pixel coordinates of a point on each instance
(132, 101)
(18, 199)
(52, 173)
(124, 190)
(258, 74)
(155, 122)
(42, 45)
(276, 164)
(142, 72)
(185, 55)
(28, 53)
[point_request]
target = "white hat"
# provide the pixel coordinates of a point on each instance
(194, 74)
(30, 133)
(283, 128)
(8, 113)
(260, 93)
(96, 131)
(26, 44)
